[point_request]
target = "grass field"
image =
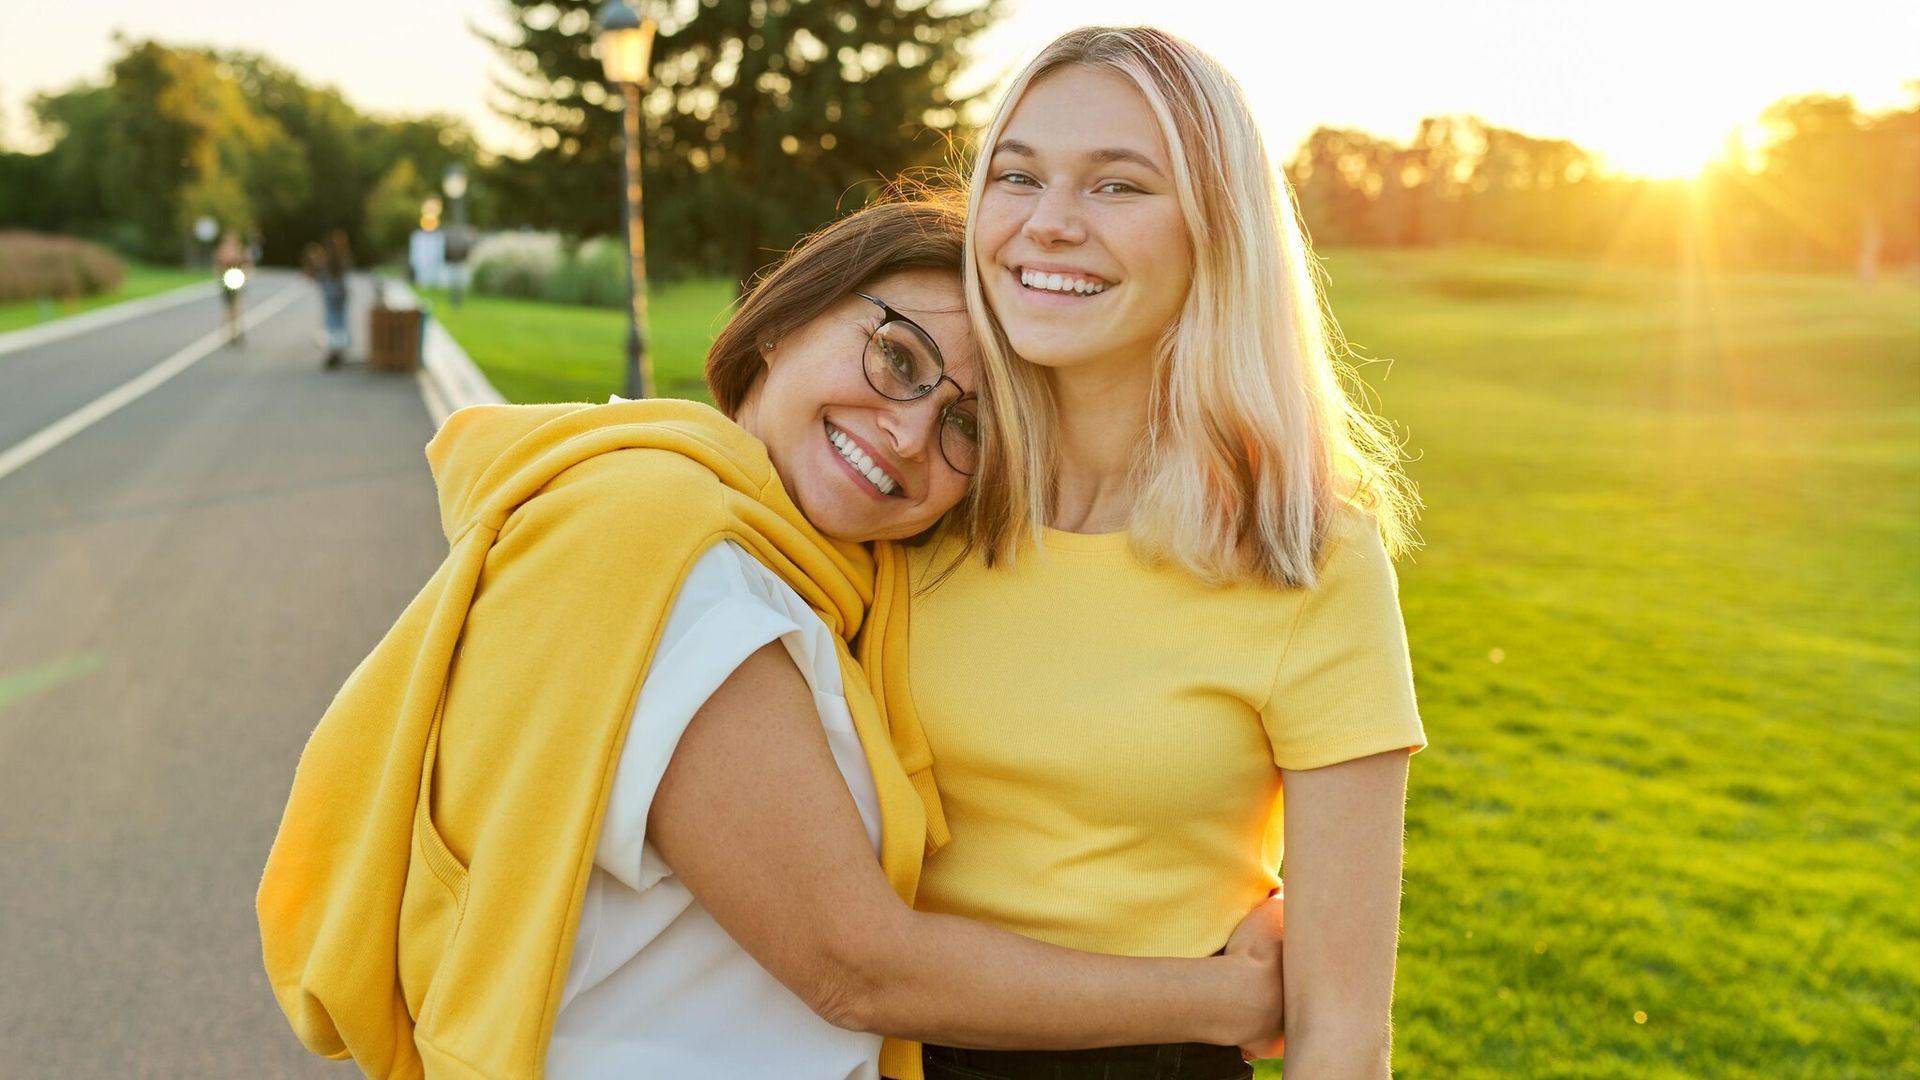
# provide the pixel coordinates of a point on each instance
(550, 352)
(1667, 637)
(141, 280)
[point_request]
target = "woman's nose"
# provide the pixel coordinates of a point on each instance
(1055, 219)
(912, 425)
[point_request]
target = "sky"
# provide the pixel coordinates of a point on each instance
(1654, 85)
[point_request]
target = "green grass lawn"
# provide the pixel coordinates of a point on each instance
(1666, 631)
(141, 280)
(534, 351)
(1667, 637)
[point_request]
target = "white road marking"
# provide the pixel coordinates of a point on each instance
(79, 420)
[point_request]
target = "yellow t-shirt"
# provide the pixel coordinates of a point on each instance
(1108, 736)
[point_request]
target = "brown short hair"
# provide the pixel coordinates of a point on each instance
(925, 230)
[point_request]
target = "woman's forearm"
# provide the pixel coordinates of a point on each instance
(1334, 1048)
(948, 980)
(1344, 825)
(755, 818)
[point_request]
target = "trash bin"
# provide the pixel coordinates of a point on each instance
(393, 336)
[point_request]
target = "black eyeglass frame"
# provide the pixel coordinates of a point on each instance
(888, 317)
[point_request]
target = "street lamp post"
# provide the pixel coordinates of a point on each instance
(626, 52)
(206, 230)
(454, 183)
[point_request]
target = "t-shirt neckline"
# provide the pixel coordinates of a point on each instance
(1062, 540)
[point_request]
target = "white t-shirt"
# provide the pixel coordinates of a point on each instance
(656, 987)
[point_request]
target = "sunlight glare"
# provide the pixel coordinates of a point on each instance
(1655, 88)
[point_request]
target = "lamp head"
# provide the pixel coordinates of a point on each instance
(625, 43)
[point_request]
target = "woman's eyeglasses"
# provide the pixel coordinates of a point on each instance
(903, 364)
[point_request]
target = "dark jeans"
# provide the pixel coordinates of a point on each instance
(1171, 1061)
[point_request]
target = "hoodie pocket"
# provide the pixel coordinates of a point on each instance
(433, 899)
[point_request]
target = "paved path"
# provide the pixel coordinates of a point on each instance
(183, 586)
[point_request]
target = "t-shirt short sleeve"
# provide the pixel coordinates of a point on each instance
(719, 618)
(1344, 685)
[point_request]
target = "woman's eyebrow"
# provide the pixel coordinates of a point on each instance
(1133, 156)
(1102, 157)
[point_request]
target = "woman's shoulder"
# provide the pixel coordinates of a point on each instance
(728, 571)
(655, 489)
(1355, 586)
(1352, 542)
(1353, 574)
(735, 598)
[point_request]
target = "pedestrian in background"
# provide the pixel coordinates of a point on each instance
(313, 264)
(334, 264)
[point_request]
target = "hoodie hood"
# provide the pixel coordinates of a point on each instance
(488, 460)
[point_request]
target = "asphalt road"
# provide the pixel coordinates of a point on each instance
(183, 586)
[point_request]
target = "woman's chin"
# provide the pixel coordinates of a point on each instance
(1051, 354)
(837, 508)
(834, 516)
(1047, 345)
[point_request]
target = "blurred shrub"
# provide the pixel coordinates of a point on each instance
(38, 264)
(594, 274)
(541, 266)
(515, 263)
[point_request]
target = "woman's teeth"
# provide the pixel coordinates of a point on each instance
(860, 461)
(1067, 283)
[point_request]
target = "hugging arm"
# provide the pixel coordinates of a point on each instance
(1343, 841)
(754, 816)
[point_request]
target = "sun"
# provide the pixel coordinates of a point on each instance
(1661, 152)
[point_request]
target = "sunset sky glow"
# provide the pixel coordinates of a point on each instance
(1654, 86)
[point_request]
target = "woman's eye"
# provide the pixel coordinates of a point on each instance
(966, 423)
(899, 359)
(1117, 187)
(1016, 178)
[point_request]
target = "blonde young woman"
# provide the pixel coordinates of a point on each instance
(1179, 602)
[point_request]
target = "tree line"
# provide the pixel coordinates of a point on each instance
(1831, 185)
(175, 133)
(764, 119)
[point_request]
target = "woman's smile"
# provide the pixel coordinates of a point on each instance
(870, 470)
(1049, 279)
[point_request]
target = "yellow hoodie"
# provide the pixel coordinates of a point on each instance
(418, 908)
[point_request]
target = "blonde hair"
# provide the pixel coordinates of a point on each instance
(1253, 442)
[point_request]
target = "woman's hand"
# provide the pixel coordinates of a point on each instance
(1261, 937)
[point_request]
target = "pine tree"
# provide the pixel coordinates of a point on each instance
(762, 119)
